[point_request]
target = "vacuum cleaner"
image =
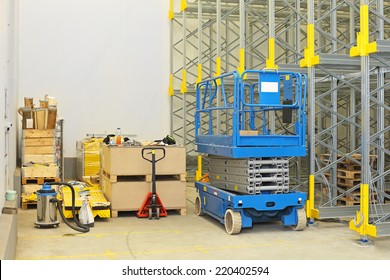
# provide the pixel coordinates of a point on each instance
(47, 205)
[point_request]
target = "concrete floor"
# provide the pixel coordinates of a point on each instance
(190, 237)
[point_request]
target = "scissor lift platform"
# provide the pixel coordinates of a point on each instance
(236, 118)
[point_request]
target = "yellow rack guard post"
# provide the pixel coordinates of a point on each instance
(170, 13)
(310, 59)
(198, 174)
(270, 61)
(361, 224)
(183, 87)
(199, 78)
(241, 64)
(363, 46)
(218, 69)
(170, 89)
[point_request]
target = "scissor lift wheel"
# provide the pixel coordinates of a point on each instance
(233, 222)
(302, 219)
(198, 206)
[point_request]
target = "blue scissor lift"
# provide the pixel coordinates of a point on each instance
(248, 158)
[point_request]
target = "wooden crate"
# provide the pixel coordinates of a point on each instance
(30, 188)
(38, 146)
(122, 161)
(129, 195)
(40, 171)
(38, 133)
(40, 158)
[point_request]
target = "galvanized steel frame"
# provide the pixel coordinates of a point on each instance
(349, 97)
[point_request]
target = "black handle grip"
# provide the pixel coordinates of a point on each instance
(153, 150)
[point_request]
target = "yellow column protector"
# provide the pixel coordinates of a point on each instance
(199, 78)
(363, 47)
(309, 59)
(360, 223)
(170, 14)
(241, 63)
(183, 5)
(218, 68)
(198, 174)
(170, 88)
(310, 211)
(270, 61)
(183, 87)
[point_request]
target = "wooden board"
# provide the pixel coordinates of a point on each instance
(39, 141)
(52, 118)
(48, 158)
(249, 133)
(44, 150)
(40, 171)
(33, 133)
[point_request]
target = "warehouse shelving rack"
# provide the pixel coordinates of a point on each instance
(348, 104)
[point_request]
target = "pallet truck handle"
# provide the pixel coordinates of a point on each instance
(153, 150)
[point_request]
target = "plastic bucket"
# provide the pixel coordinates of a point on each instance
(10, 195)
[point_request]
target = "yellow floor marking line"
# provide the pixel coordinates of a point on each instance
(99, 235)
(118, 255)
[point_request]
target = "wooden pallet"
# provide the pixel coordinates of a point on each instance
(346, 174)
(347, 182)
(29, 205)
(350, 160)
(145, 177)
(115, 213)
(39, 180)
(347, 202)
(349, 167)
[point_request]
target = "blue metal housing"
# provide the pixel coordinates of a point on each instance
(229, 105)
(253, 208)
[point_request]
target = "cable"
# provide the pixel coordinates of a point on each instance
(80, 227)
(283, 126)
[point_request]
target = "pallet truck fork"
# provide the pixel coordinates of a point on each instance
(152, 206)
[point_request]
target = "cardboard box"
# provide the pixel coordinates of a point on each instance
(128, 161)
(129, 195)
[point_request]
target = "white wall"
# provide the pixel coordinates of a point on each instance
(105, 61)
(7, 99)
